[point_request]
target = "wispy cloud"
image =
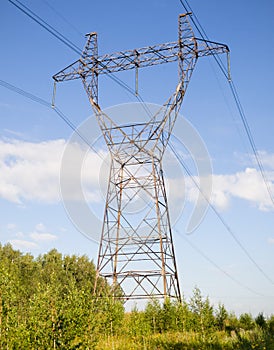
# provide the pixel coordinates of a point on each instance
(40, 227)
(42, 237)
(34, 240)
(23, 244)
(20, 235)
(11, 226)
(14, 133)
(271, 240)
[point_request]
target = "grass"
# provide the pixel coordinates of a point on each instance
(245, 340)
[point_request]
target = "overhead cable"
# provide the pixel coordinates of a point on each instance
(47, 104)
(212, 262)
(236, 97)
(219, 216)
(32, 15)
(73, 127)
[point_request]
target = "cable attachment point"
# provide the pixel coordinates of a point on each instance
(53, 95)
(228, 67)
(136, 72)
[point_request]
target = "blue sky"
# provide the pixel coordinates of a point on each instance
(33, 138)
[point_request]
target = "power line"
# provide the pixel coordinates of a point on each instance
(236, 97)
(237, 126)
(63, 18)
(72, 46)
(201, 31)
(47, 104)
(45, 25)
(219, 216)
(203, 35)
(212, 262)
(251, 140)
(24, 93)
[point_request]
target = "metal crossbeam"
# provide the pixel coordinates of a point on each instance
(140, 58)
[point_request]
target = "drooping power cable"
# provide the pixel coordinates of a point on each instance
(219, 216)
(45, 25)
(236, 98)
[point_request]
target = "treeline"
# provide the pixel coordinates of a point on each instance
(48, 303)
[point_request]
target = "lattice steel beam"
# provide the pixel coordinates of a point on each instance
(136, 251)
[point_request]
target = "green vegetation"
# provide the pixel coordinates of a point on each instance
(47, 303)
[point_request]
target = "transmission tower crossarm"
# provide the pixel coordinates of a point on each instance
(71, 72)
(147, 56)
(208, 47)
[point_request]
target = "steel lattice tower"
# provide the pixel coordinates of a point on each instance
(136, 251)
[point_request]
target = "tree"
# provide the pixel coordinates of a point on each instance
(202, 313)
(232, 323)
(246, 321)
(168, 318)
(184, 316)
(261, 321)
(152, 315)
(221, 317)
(137, 323)
(108, 315)
(270, 324)
(48, 302)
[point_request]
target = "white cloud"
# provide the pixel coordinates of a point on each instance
(30, 171)
(19, 234)
(40, 227)
(247, 185)
(34, 240)
(220, 199)
(41, 234)
(81, 174)
(42, 237)
(23, 244)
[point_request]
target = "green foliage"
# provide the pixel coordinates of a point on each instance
(261, 321)
(270, 325)
(221, 317)
(246, 322)
(152, 315)
(202, 313)
(48, 303)
(232, 323)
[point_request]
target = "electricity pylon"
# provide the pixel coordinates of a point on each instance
(136, 249)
